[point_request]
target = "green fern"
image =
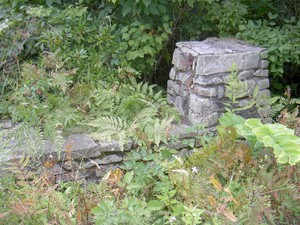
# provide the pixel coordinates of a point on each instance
(130, 107)
(27, 140)
(130, 110)
(104, 101)
(110, 128)
(237, 89)
(279, 103)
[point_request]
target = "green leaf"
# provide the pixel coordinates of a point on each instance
(148, 50)
(286, 145)
(155, 205)
(147, 3)
(128, 177)
(162, 8)
(153, 9)
(250, 24)
(136, 185)
(190, 3)
(229, 119)
(126, 8)
(272, 16)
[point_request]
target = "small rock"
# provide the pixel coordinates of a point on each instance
(104, 169)
(6, 124)
(70, 165)
(111, 159)
(56, 170)
(113, 146)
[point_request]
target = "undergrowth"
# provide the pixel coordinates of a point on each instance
(247, 174)
(224, 182)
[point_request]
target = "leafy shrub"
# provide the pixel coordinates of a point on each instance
(281, 41)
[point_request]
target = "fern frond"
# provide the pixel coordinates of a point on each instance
(129, 107)
(106, 123)
(276, 108)
(108, 128)
(104, 100)
(25, 139)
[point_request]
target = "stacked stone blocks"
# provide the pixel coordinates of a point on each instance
(198, 76)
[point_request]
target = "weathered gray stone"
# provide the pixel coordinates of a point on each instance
(186, 93)
(176, 57)
(185, 78)
(262, 97)
(104, 169)
(263, 83)
(82, 146)
(263, 64)
(205, 91)
(6, 124)
(182, 61)
(79, 145)
(99, 162)
(208, 121)
(189, 51)
(246, 114)
(56, 169)
(261, 73)
(195, 45)
(244, 102)
(221, 92)
(177, 88)
(114, 146)
(91, 163)
(245, 74)
(111, 159)
(181, 131)
(264, 112)
(218, 46)
(170, 99)
(70, 165)
(207, 80)
(200, 65)
(184, 131)
(202, 106)
(264, 53)
(250, 86)
(181, 144)
(212, 64)
(173, 73)
(170, 87)
(179, 105)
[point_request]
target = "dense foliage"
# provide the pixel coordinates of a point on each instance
(54, 51)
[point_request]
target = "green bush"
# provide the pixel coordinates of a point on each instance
(281, 41)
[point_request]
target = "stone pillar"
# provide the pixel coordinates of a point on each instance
(197, 79)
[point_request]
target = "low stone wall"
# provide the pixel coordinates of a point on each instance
(84, 158)
(200, 69)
